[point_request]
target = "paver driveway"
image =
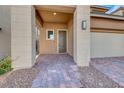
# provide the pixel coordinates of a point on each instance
(112, 67)
(56, 71)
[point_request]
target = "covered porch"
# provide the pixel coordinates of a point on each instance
(52, 21)
(43, 29)
(55, 29)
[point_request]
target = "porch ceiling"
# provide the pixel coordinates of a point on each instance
(57, 8)
(63, 13)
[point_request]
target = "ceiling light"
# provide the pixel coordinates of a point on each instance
(54, 13)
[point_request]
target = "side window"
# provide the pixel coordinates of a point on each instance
(50, 34)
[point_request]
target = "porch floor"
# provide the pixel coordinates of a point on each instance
(56, 71)
(113, 67)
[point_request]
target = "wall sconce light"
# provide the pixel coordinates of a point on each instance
(84, 25)
(0, 28)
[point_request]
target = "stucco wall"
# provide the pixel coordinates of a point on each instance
(50, 46)
(70, 37)
(33, 31)
(75, 36)
(39, 28)
(38, 24)
(22, 36)
(5, 34)
(107, 45)
(81, 37)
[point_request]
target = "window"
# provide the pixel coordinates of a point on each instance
(50, 34)
(37, 31)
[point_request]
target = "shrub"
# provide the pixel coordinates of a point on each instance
(5, 65)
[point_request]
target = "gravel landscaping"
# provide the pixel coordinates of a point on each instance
(91, 78)
(95, 80)
(19, 79)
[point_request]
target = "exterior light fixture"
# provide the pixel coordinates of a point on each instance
(84, 25)
(54, 13)
(0, 28)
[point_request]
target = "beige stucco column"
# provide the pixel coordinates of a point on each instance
(22, 36)
(81, 37)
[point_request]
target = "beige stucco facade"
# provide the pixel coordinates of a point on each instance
(22, 36)
(50, 46)
(81, 37)
(103, 36)
(70, 36)
(5, 33)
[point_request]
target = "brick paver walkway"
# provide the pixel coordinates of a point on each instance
(57, 71)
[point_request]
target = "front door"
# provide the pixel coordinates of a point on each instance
(62, 42)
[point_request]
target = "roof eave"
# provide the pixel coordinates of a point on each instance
(107, 16)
